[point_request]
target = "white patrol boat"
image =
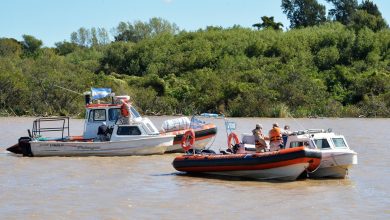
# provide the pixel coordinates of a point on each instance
(337, 157)
(122, 130)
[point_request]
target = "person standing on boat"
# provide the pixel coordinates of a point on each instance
(259, 138)
(125, 114)
(285, 133)
(102, 132)
(275, 137)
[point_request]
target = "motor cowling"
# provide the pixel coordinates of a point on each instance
(25, 146)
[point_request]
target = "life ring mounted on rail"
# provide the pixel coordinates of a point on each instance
(188, 140)
(232, 137)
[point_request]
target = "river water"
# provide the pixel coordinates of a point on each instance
(148, 187)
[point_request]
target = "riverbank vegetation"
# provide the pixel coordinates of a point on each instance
(334, 68)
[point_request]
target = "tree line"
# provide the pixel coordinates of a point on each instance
(337, 66)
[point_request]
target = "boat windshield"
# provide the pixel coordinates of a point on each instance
(339, 142)
(97, 115)
(322, 143)
(134, 112)
(113, 114)
(299, 144)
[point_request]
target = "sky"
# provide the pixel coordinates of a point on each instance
(53, 20)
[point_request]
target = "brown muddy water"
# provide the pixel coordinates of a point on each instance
(148, 187)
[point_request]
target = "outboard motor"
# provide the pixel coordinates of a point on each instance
(24, 144)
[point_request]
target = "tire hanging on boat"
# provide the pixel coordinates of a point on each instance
(188, 140)
(232, 136)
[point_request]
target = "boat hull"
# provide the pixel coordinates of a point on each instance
(203, 136)
(335, 164)
(285, 173)
(140, 146)
(279, 165)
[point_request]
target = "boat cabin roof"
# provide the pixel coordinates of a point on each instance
(99, 105)
(317, 138)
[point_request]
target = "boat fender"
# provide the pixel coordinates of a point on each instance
(232, 136)
(188, 140)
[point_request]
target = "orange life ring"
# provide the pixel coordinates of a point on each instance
(231, 137)
(188, 140)
(124, 110)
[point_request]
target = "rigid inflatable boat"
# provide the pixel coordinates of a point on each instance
(286, 164)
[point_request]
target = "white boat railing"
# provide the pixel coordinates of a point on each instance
(43, 125)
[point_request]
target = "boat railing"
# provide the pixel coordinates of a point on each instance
(50, 124)
(310, 131)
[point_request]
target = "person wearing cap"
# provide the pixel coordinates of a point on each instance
(259, 138)
(102, 132)
(287, 129)
(285, 133)
(275, 137)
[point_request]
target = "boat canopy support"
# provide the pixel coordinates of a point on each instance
(51, 124)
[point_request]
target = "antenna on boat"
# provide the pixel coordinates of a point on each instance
(299, 124)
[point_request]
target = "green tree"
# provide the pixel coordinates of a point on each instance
(139, 30)
(10, 47)
(327, 57)
(370, 8)
(80, 37)
(90, 37)
(343, 10)
(303, 13)
(114, 57)
(31, 45)
(368, 15)
(268, 22)
(64, 48)
(325, 70)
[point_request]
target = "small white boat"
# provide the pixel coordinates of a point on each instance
(128, 134)
(337, 157)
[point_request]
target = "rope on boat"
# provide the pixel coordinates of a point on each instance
(315, 168)
(68, 89)
(299, 124)
(334, 160)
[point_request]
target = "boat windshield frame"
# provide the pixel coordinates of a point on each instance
(134, 112)
(336, 144)
(322, 139)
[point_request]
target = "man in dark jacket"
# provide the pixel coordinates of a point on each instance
(102, 132)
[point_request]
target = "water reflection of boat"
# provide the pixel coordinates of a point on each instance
(126, 133)
(337, 157)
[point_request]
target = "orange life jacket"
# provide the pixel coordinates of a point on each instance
(124, 110)
(275, 134)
